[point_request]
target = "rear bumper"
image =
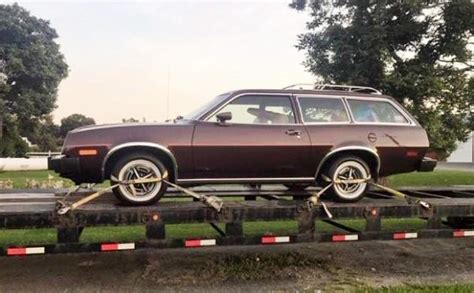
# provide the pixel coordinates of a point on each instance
(427, 165)
(66, 167)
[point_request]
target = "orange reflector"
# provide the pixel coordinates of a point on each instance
(412, 153)
(87, 152)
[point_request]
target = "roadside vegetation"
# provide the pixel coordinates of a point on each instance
(20, 179)
(457, 288)
(436, 178)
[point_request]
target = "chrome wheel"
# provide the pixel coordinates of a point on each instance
(139, 169)
(346, 171)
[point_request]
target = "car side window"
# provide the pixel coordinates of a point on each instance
(255, 109)
(375, 111)
(316, 110)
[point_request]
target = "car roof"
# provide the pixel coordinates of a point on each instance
(311, 92)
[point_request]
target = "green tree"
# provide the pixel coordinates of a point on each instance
(46, 135)
(130, 120)
(74, 121)
(11, 143)
(31, 68)
(416, 51)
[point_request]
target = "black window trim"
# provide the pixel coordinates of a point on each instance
(341, 98)
(345, 99)
(400, 110)
(206, 117)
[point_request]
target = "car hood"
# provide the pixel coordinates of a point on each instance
(108, 135)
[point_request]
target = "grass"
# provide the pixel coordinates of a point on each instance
(436, 178)
(135, 233)
(447, 288)
(248, 266)
(19, 178)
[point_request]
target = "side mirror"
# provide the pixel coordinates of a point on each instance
(223, 117)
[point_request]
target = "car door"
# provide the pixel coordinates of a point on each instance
(261, 140)
(326, 120)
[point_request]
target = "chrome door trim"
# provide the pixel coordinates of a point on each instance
(244, 180)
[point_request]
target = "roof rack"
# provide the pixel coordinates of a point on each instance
(335, 87)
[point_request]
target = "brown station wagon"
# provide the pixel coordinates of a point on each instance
(289, 136)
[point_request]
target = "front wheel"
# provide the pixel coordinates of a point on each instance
(137, 166)
(346, 168)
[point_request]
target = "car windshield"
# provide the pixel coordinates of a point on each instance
(196, 114)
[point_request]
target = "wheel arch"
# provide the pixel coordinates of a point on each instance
(370, 156)
(159, 151)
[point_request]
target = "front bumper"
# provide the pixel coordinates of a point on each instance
(427, 165)
(66, 167)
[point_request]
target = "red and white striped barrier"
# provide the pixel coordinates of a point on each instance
(25, 250)
(275, 239)
(463, 233)
(403, 236)
(15, 251)
(117, 246)
(343, 237)
(199, 242)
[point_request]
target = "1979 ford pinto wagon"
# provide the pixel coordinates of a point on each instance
(289, 137)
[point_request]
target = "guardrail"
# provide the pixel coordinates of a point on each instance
(23, 164)
(41, 154)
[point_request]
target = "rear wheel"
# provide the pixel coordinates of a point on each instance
(137, 166)
(347, 168)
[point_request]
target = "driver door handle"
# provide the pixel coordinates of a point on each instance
(292, 132)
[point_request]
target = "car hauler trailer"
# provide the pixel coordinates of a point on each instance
(450, 210)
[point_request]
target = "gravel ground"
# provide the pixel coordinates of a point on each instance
(297, 267)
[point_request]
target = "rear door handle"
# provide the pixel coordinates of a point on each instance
(292, 132)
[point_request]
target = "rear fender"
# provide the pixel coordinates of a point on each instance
(354, 150)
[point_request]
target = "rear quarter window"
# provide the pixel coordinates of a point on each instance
(376, 112)
(323, 110)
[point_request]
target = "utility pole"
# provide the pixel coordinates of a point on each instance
(3, 82)
(2, 107)
(168, 96)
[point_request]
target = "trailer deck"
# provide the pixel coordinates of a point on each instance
(33, 209)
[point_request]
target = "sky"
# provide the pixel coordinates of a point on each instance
(126, 58)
